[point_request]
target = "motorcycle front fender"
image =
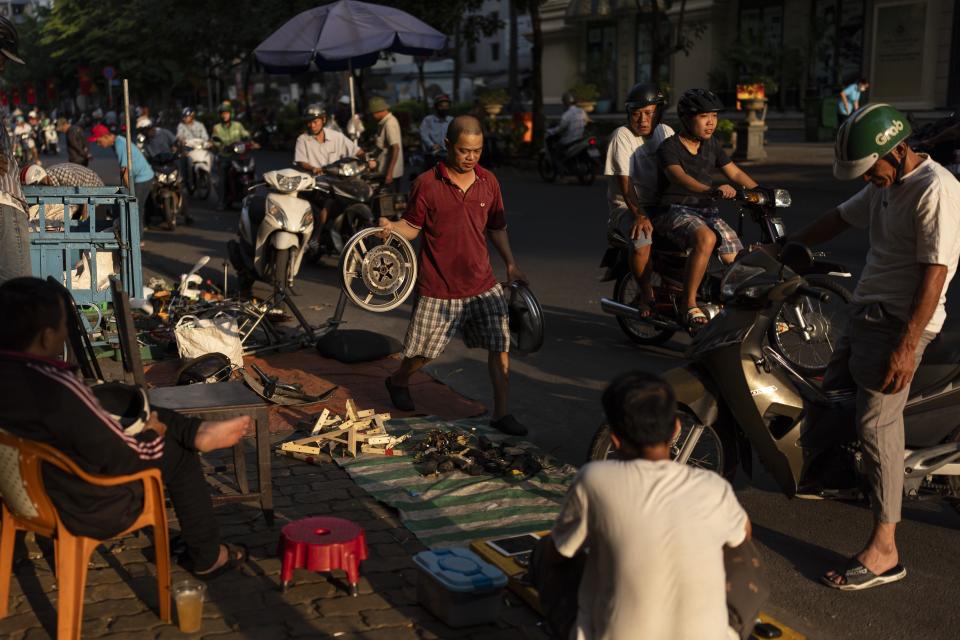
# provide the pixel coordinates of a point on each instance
(694, 391)
(284, 240)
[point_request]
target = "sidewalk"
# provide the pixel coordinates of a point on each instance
(121, 589)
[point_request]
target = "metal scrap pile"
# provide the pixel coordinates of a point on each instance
(443, 451)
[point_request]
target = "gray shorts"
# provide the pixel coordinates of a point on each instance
(483, 319)
(860, 359)
(621, 221)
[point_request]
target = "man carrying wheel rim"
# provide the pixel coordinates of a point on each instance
(456, 206)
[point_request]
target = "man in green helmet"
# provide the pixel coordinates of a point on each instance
(911, 210)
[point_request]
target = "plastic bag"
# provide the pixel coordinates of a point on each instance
(196, 337)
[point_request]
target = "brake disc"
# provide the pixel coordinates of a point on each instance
(378, 275)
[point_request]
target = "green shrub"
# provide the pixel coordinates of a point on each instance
(493, 96)
(586, 92)
(724, 130)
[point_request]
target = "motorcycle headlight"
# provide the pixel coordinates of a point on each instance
(239, 148)
(288, 183)
(174, 175)
(781, 198)
(735, 277)
(277, 214)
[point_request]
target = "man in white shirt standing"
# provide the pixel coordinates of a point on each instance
(655, 529)
(318, 147)
(433, 131)
(633, 183)
(911, 208)
(389, 141)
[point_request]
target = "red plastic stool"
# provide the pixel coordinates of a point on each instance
(322, 544)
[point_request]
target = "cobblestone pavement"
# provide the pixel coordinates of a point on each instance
(121, 588)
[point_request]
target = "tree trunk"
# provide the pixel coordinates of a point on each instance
(456, 64)
(539, 121)
(514, 72)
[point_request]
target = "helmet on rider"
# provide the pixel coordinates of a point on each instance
(9, 41)
(225, 107)
(314, 111)
(869, 135)
(692, 103)
(440, 99)
(187, 112)
(644, 94)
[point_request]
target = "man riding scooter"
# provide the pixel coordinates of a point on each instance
(315, 149)
(911, 207)
(189, 129)
(227, 133)
(569, 130)
(633, 177)
(433, 131)
(691, 219)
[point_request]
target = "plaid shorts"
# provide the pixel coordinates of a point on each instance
(484, 320)
(679, 223)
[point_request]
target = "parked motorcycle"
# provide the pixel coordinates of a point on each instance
(737, 395)
(344, 181)
(242, 172)
(804, 332)
(946, 153)
(167, 197)
(51, 140)
(199, 166)
(274, 231)
(580, 159)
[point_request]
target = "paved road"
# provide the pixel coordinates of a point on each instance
(557, 233)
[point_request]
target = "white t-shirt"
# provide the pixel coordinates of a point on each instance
(388, 134)
(634, 156)
(335, 146)
(655, 533)
(912, 224)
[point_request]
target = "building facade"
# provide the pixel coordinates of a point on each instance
(909, 50)
(488, 61)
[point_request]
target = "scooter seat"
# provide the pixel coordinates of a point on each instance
(940, 364)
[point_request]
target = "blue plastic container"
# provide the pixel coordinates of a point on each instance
(458, 587)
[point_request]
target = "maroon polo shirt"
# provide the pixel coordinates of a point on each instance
(454, 261)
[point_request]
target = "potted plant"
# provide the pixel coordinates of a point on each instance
(726, 132)
(586, 96)
(493, 100)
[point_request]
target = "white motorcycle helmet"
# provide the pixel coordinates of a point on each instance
(32, 174)
(126, 403)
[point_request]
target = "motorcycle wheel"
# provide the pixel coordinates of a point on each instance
(355, 218)
(201, 187)
(547, 171)
(281, 267)
(585, 172)
(715, 451)
(625, 291)
(811, 357)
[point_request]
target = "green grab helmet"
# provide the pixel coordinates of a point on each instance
(870, 133)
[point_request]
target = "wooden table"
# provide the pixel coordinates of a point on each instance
(223, 401)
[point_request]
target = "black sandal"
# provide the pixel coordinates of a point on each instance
(236, 557)
(856, 577)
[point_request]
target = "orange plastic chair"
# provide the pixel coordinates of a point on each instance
(27, 507)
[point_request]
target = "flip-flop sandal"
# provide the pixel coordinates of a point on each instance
(696, 319)
(647, 308)
(236, 557)
(857, 577)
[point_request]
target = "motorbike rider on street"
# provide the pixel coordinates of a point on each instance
(570, 128)
(78, 151)
(911, 209)
(159, 140)
(189, 128)
(690, 217)
(22, 134)
(633, 179)
(433, 131)
(389, 141)
(229, 132)
(315, 149)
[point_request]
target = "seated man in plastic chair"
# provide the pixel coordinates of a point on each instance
(44, 400)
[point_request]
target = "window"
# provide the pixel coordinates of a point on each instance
(601, 67)
(17, 9)
(471, 54)
(495, 51)
(644, 72)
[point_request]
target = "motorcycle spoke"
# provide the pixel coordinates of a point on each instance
(367, 299)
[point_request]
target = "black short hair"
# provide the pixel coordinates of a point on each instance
(31, 305)
(641, 409)
(463, 124)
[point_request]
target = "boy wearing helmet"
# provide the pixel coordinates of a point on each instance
(14, 244)
(634, 179)
(688, 161)
(911, 210)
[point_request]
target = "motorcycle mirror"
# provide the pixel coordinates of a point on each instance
(797, 256)
(201, 263)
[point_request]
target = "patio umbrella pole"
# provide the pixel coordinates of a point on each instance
(353, 107)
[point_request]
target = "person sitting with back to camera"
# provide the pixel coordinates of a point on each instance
(690, 218)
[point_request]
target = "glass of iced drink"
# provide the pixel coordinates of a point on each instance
(188, 595)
